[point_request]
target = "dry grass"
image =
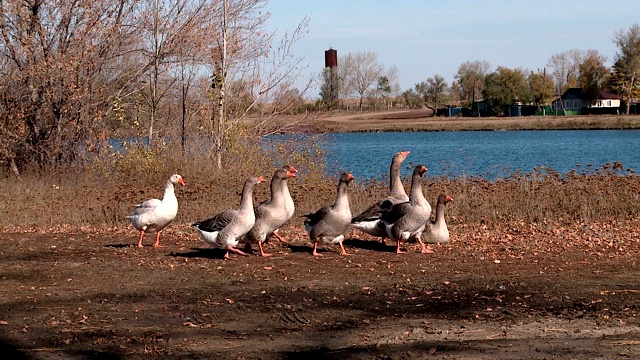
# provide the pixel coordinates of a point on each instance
(103, 199)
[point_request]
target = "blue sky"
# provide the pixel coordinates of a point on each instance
(423, 38)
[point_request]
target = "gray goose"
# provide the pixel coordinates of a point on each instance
(436, 232)
(330, 223)
(270, 214)
(408, 219)
(224, 230)
(153, 214)
(369, 220)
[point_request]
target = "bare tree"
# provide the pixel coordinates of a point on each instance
(390, 85)
(471, 77)
(57, 76)
(166, 27)
(362, 72)
(393, 74)
(73, 71)
(565, 69)
(245, 58)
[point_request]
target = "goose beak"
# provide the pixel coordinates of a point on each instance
(181, 182)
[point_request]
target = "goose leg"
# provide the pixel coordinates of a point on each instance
(344, 252)
(282, 240)
(398, 251)
(157, 243)
(315, 249)
(237, 251)
(423, 248)
(140, 240)
(262, 253)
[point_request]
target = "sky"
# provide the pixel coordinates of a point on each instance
(423, 38)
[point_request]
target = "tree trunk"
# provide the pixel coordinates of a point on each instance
(14, 168)
(631, 86)
(220, 129)
(184, 114)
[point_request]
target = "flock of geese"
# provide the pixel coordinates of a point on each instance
(399, 217)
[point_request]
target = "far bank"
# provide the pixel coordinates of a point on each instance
(412, 121)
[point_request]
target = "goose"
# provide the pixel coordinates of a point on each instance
(436, 232)
(153, 214)
(289, 206)
(270, 214)
(408, 219)
(330, 223)
(224, 230)
(369, 220)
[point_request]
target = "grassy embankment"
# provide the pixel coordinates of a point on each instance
(406, 121)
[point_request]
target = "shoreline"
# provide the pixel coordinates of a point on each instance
(401, 121)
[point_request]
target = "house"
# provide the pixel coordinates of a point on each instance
(608, 102)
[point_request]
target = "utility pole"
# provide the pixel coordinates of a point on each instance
(544, 91)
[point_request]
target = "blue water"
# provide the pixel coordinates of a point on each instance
(491, 154)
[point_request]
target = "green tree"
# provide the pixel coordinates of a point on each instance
(413, 98)
(626, 69)
(436, 93)
(541, 85)
(593, 76)
(506, 87)
(384, 89)
(329, 88)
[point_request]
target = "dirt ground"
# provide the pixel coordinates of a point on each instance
(524, 291)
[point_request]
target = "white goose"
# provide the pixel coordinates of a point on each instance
(224, 230)
(369, 220)
(289, 206)
(409, 219)
(153, 214)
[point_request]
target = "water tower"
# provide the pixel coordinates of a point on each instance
(331, 68)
